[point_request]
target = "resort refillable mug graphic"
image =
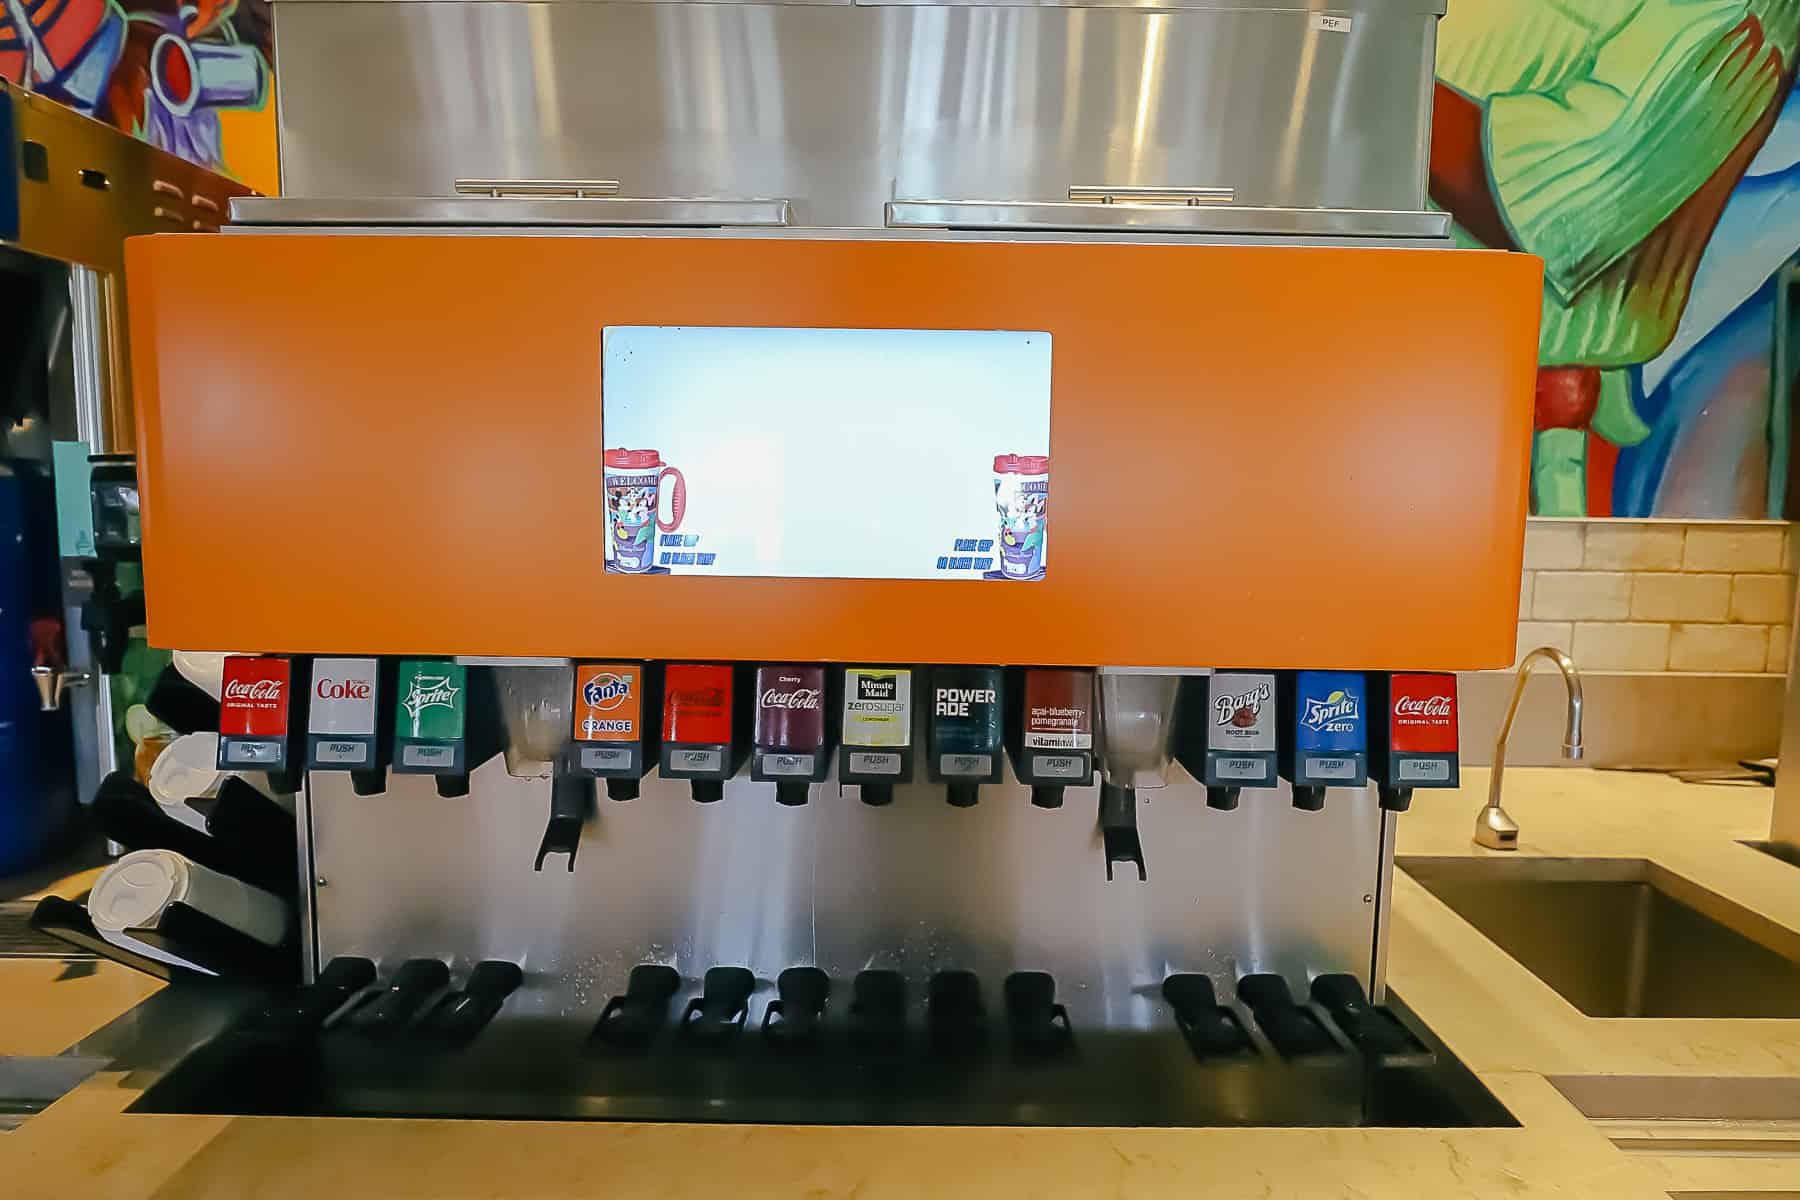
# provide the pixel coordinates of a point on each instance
(826, 453)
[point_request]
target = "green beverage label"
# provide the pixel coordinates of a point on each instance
(431, 699)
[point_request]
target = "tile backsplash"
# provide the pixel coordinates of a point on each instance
(1666, 596)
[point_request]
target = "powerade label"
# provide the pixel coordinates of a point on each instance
(1329, 712)
(608, 702)
(877, 708)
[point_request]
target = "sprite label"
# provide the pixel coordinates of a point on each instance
(431, 700)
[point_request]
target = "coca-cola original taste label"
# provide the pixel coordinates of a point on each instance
(1423, 713)
(253, 699)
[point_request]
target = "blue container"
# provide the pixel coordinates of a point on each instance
(36, 796)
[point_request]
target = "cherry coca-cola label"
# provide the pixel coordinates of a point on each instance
(790, 709)
(253, 701)
(1422, 717)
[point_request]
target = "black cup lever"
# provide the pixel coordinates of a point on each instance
(795, 1017)
(387, 1011)
(878, 1011)
(954, 1013)
(719, 1011)
(1039, 1024)
(1118, 829)
(630, 1021)
(1211, 1029)
(458, 1017)
(1370, 1029)
(1291, 1029)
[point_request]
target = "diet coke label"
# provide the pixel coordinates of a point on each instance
(253, 701)
(343, 697)
(1422, 713)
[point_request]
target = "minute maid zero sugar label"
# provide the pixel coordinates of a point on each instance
(877, 706)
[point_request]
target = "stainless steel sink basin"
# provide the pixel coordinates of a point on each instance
(1623, 937)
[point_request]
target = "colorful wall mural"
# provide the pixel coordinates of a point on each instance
(1649, 152)
(190, 76)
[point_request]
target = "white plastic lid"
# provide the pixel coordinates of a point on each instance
(132, 893)
(187, 769)
(204, 669)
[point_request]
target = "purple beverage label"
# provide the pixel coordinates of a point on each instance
(790, 708)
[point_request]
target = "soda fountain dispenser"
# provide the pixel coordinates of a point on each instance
(702, 733)
(1050, 732)
(616, 727)
(1226, 734)
(966, 726)
(1322, 715)
(877, 731)
(784, 489)
(791, 749)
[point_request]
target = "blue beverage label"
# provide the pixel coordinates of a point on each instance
(1329, 712)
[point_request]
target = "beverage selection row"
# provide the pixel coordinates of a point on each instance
(701, 722)
(875, 1013)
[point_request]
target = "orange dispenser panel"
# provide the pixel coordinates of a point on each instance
(1264, 455)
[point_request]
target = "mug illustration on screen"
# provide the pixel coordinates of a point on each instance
(634, 507)
(1022, 501)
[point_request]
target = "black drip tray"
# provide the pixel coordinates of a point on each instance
(524, 1068)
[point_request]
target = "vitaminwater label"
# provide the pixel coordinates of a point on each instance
(1059, 710)
(1240, 712)
(878, 708)
(609, 701)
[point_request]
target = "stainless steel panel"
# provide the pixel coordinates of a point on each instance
(1196, 218)
(916, 887)
(512, 212)
(844, 108)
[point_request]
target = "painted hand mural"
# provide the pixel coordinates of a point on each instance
(1609, 138)
(159, 69)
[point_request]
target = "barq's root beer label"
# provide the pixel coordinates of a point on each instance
(609, 701)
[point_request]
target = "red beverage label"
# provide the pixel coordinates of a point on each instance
(1059, 710)
(790, 708)
(1422, 714)
(608, 702)
(697, 704)
(253, 701)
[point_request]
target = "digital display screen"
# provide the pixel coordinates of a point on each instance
(826, 453)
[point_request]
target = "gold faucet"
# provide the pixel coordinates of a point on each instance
(1493, 827)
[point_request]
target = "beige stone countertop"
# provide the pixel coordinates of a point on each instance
(1508, 1027)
